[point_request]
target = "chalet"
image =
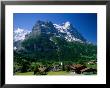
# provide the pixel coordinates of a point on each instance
(40, 70)
(76, 68)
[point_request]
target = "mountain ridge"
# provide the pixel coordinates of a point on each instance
(64, 30)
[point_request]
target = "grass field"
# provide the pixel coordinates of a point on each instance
(49, 73)
(25, 73)
(53, 73)
(59, 73)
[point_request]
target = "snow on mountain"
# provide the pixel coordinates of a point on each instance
(64, 30)
(19, 34)
(66, 25)
(69, 32)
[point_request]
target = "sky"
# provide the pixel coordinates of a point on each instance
(85, 23)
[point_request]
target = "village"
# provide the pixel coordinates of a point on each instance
(72, 69)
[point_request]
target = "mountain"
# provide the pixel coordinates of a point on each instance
(19, 34)
(48, 41)
(46, 30)
(65, 30)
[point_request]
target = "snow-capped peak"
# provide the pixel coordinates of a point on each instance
(66, 25)
(19, 34)
(69, 32)
(18, 30)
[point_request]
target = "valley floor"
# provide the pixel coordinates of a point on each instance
(49, 73)
(52, 73)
